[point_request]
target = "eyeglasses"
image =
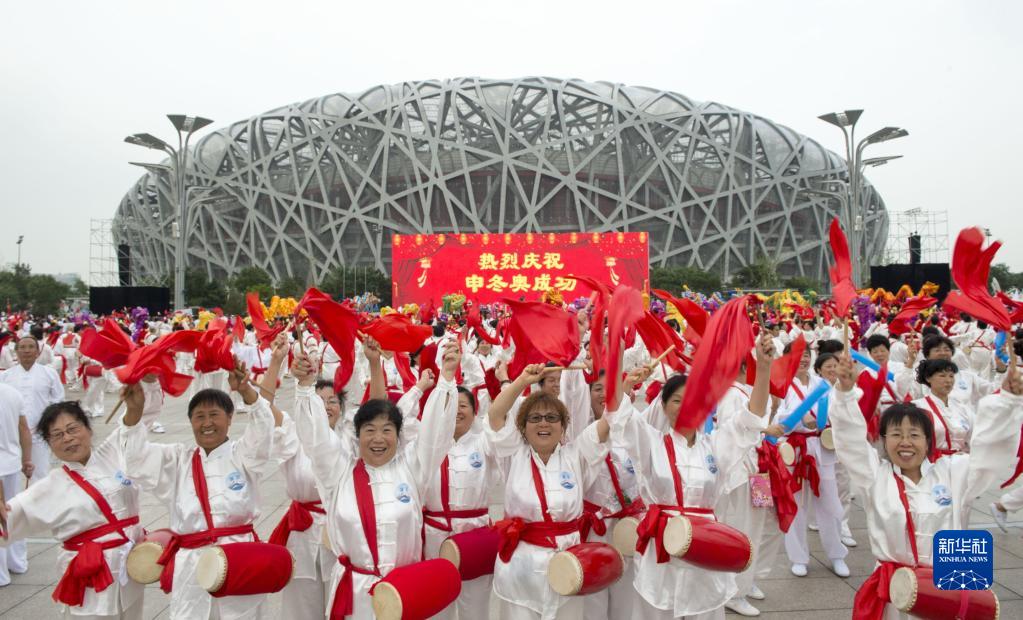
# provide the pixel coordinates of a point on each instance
(70, 431)
(550, 418)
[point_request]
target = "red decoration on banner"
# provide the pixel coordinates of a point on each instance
(488, 267)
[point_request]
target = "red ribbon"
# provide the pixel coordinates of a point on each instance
(539, 533)
(805, 467)
(299, 518)
(872, 596)
(769, 462)
(591, 521)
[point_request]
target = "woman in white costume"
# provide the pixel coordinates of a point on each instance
(544, 483)
(210, 488)
(92, 507)
(953, 418)
(379, 484)
(907, 498)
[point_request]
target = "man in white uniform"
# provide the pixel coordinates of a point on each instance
(15, 459)
(39, 386)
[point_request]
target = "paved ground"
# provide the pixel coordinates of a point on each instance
(818, 596)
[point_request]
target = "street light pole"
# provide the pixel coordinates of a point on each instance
(185, 126)
(18, 264)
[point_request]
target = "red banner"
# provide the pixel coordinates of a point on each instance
(488, 266)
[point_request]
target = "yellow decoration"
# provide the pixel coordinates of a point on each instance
(204, 319)
(387, 310)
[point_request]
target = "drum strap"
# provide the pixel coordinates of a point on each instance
(541, 494)
(935, 452)
(799, 392)
(89, 569)
(344, 594)
(676, 477)
(628, 509)
(430, 516)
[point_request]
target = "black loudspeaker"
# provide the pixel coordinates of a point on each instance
(892, 277)
(914, 249)
(106, 299)
(124, 264)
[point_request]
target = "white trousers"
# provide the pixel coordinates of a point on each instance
(473, 601)
(614, 603)
(571, 610)
(770, 544)
(94, 401)
(304, 598)
(844, 496)
(1012, 500)
(13, 556)
(828, 509)
(646, 611)
(41, 456)
(134, 612)
(736, 509)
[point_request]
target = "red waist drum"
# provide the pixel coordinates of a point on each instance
(912, 591)
(242, 568)
(584, 569)
(708, 544)
(416, 591)
(473, 553)
(141, 561)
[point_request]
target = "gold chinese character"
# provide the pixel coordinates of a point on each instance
(496, 283)
(520, 283)
(509, 261)
(552, 260)
(531, 261)
(542, 282)
(474, 282)
(487, 261)
(564, 284)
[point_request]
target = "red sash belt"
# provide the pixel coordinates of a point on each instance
(299, 518)
(653, 524)
(430, 517)
(539, 533)
(194, 541)
(637, 507)
(591, 521)
(344, 602)
(805, 467)
(872, 596)
(88, 569)
(770, 463)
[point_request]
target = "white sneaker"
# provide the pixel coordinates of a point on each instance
(756, 593)
(1001, 518)
(158, 428)
(848, 541)
(742, 607)
(840, 568)
(813, 527)
(799, 570)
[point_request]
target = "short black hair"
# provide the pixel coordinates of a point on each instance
(71, 407)
(830, 346)
(375, 408)
(211, 397)
(877, 340)
(438, 329)
(674, 383)
(894, 415)
(929, 330)
(468, 393)
(819, 362)
(928, 368)
(36, 332)
(932, 342)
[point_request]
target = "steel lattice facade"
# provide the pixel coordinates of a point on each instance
(326, 182)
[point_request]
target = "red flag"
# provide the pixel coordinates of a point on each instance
(264, 333)
(213, 351)
(626, 308)
(239, 329)
(658, 338)
(542, 333)
(784, 369)
(158, 358)
(427, 312)
(338, 324)
(872, 388)
(913, 307)
(725, 344)
(691, 311)
(475, 321)
(396, 332)
(109, 346)
(971, 266)
(1014, 307)
(601, 297)
(843, 290)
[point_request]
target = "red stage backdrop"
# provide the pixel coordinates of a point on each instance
(489, 266)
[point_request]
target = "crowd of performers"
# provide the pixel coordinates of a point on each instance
(543, 456)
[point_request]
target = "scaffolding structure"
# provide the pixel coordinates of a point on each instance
(932, 228)
(102, 253)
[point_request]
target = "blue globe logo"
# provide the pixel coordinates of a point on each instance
(963, 580)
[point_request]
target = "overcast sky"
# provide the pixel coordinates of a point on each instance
(77, 77)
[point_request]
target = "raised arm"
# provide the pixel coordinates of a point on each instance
(506, 399)
(437, 430)
(321, 444)
(852, 447)
(377, 381)
(153, 466)
(996, 435)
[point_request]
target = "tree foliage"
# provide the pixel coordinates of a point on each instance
(39, 294)
(1007, 279)
(351, 281)
(672, 279)
(802, 284)
(760, 274)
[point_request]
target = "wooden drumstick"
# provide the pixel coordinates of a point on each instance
(571, 367)
(654, 362)
(117, 407)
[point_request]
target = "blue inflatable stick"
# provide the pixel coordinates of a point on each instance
(791, 420)
(871, 364)
(1000, 347)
